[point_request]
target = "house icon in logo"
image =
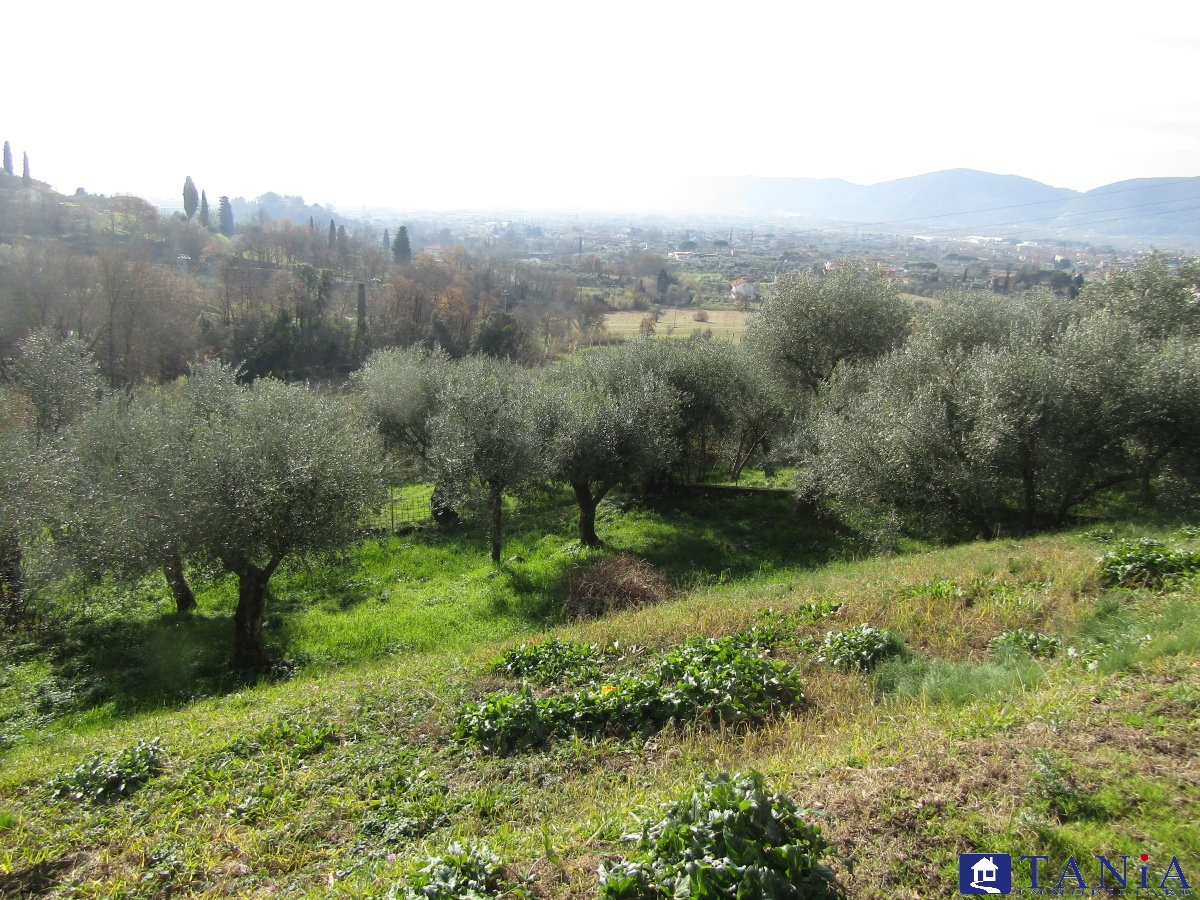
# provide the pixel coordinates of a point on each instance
(985, 873)
(985, 870)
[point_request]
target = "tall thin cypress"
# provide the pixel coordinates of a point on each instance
(7, 158)
(191, 197)
(26, 180)
(225, 216)
(204, 209)
(401, 250)
(332, 233)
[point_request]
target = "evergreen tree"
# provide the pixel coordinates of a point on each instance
(387, 239)
(7, 158)
(332, 233)
(360, 328)
(26, 181)
(225, 217)
(191, 198)
(204, 210)
(312, 226)
(401, 251)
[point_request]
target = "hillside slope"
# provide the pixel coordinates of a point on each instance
(343, 783)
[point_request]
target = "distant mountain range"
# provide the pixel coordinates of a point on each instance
(962, 202)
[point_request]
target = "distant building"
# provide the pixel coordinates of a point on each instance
(743, 290)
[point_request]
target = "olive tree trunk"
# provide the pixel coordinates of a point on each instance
(496, 505)
(588, 501)
(185, 600)
(249, 651)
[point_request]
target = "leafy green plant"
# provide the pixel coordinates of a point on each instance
(100, 780)
(717, 680)
(1055, 786)
(1032, 642)
(731, 838)
(463, 872)
(937, 590)
(551, 661)
(859, 648)
(1147, 563)
(302, 737)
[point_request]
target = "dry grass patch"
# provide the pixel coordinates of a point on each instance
(614, 584)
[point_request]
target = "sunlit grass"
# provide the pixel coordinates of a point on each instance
(345, 774)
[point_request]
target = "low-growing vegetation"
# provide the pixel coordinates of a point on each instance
(100, 780)
(731, 838)
(714, 681)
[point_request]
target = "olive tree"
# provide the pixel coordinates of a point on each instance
(699, 374)
(58, 377)
(240, 475)
(810, 324)
(599, 425)
(482, 442)
(401, 390)
(935, 435)
(1157, 296)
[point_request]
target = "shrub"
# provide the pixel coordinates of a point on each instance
(728, 839)
(100, 780)
(615, 583)
(716, 680)
(1032, 642)
(700, 315)
(859, 648)
(1146, 563)
(464, 872)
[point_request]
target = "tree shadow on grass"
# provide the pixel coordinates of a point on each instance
(98, 670)
(697, 538)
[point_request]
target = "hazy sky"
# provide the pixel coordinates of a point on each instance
(558, 104)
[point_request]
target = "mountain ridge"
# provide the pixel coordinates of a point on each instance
(962, 200)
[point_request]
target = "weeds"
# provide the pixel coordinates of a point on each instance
(100, 780)
(1032, 642)
(731, 838)
(716, 680)
(1147, 563)
(551, 661)
(463, 872)
(859, 648)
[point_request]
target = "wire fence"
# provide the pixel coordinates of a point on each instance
(407, 507)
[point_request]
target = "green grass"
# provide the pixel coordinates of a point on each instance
(345, 778)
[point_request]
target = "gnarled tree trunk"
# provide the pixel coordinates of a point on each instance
(588, 501)
(249, 651)
(185, 600)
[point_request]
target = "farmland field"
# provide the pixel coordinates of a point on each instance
(725, 324)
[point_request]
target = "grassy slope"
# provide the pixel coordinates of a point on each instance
(348, 777)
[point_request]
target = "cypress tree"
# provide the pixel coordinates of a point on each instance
(7, 158)
(26, 181)
(401, 251)
(387, 239)
(332, 233)
(360, 330)
(204, 209)
(225, 217)
(191, 198)
(311, 225)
